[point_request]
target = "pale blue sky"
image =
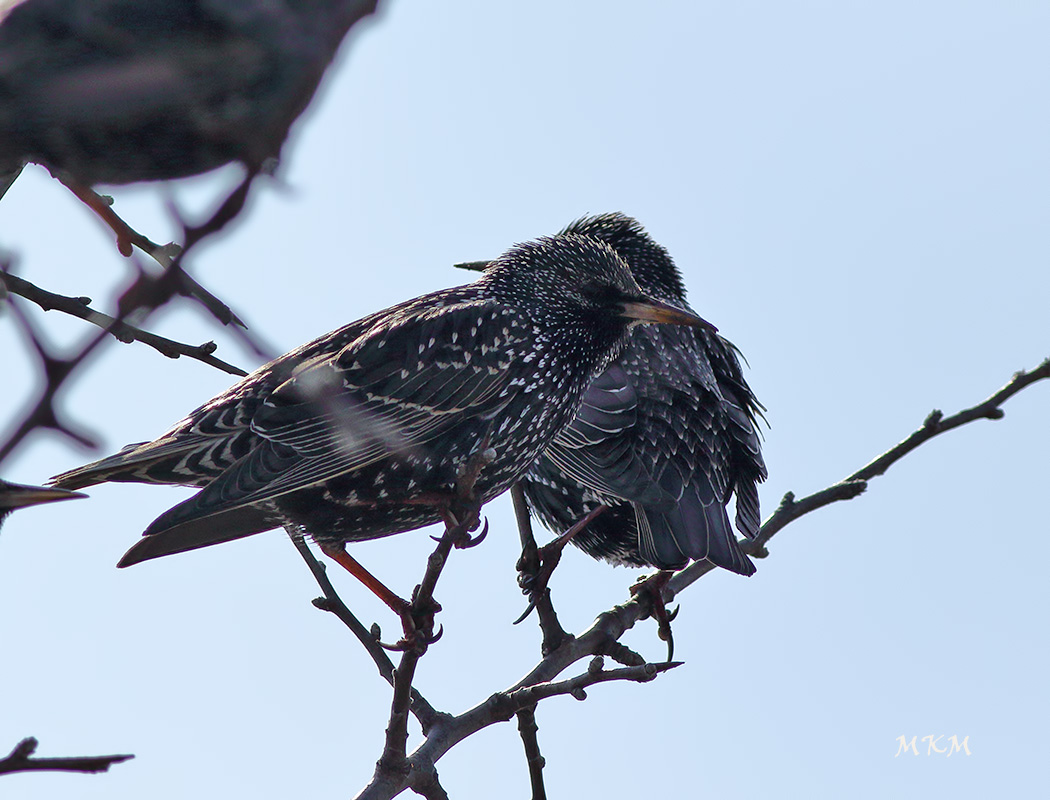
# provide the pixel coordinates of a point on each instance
(857, 194)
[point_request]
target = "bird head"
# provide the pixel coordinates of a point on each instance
(582, 279)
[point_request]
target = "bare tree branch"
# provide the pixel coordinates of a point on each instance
(122, 331)
(20, 760)
(603, 636)
(527, 729)
(128, 237)
(333, 603)
(853, 485)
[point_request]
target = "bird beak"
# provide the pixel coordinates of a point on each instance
(650, 310)
(16, 496)
(473, 266)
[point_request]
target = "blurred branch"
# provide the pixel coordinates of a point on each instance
(21, 760)
(79, 307)
(127, 237)
(143, 297)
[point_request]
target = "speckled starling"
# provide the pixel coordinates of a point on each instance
(14, 496)
(362, 433)
(664, 436)
(115, 91)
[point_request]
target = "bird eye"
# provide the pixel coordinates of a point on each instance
(602, 294)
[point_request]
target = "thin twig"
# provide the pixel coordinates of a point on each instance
(604, 634)
(853, 485)
(163, 254)
(80, 307)
(146, 294)
(500, 707)
(333, 603)
(527, 729)
(21, 760)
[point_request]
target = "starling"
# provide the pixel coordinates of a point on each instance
(116, 91)
(14, 496)
(663, 438)
(364, 432)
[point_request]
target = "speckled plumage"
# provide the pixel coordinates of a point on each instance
(353, 435)
(664, 436)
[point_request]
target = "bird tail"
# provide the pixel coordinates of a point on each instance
(145, 462)
(692, 530)
(161, 540)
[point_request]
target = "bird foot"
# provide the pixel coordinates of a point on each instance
(460, 531)
(534, 574)
(417, 623)
(653, 586)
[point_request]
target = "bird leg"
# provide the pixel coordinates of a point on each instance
(461, 511)
(535, 574)
(654, 586)
(414, 621)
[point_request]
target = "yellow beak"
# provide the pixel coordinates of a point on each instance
(649, 310)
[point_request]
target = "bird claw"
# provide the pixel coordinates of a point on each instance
(467, 541)
(534, 580)
(653, 586)
(410, 641)
(663, 630)
(528, 610)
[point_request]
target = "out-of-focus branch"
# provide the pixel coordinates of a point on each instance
(122, 331)
(144, 296)
(21, 760)
(163, 254)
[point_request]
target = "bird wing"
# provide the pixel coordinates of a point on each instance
(598, 448)
(213, 437)
(386, 395)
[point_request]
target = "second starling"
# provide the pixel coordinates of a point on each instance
(664, 437)
(364, 432)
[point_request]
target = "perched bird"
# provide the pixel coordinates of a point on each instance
(116, 91)
(664, 436)
(365, 432)
(14, 496)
